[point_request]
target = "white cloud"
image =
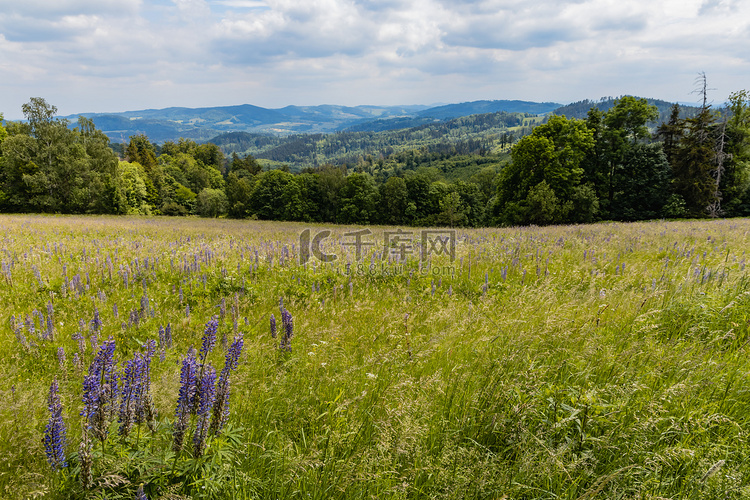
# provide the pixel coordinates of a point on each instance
(99, 55)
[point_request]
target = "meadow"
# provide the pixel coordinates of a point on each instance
(570, 362)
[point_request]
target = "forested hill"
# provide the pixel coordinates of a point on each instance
(580, 109)
(475, 134)
(171, 124)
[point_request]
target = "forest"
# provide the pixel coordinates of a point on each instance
(626, 161)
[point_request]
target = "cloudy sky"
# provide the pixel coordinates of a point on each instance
(120, 55)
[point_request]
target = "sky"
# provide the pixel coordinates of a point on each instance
(123, 55)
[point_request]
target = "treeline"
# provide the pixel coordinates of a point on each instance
(609, 166)
(48, 167)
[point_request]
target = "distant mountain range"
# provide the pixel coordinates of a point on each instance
(202, 124)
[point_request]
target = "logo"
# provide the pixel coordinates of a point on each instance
(396, 244)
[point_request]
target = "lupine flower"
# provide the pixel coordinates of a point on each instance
(50, 325)
(132, 390)
(206, 395)
(29, 324)
(55, 434)
(187, 392)
(77, 363)
(134, 318)
(209, 338)
(220, 411)
(100, 390)
(288, 325)
(96, 322)
(145, 307)
(18, 331)
(140, 494)
(61, 357)
(273, 326)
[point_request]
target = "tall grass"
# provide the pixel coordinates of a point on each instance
(601, 361)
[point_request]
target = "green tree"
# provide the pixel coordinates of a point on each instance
(418, 204)
(543, 207)
(309, 187)
(140, 150)
(134, 188)
(48, 167)
(212, 203)
(267, 200)
(359, 200)
(209, 155)
(735, 175)
(695, 162)
(554, 154)
(331, 180)
(624, 126)
(244, 167)
(452, 210)
(395, 198)
(238, 192)
(628, 118)
(642, 183)
(670, 133)
(3, 132)
(18, 165)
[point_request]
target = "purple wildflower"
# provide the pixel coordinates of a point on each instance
(29, 324)
(185, 400)
(145, 306)
(77, 363)
(206, 396)
(96, 322)
(100, 390)
(94, 339)
(50, 325)
(55, 434)
(288, 324)
(61, 357)
(132, 390)
(140, 494)
(18, 331)
(81, 342)
(220, 411)
(209, 338)
(273, 326)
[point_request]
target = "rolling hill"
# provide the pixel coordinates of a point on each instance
(200, 124)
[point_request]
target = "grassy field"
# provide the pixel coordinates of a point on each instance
(601, 361)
